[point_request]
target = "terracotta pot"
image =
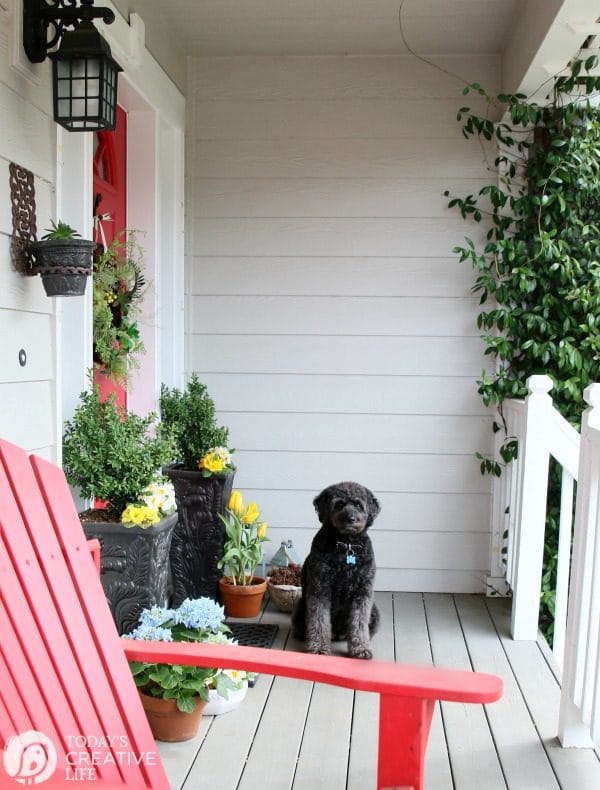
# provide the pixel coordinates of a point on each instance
(167, 722)
(242, 600)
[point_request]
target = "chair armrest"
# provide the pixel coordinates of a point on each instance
(377, 676)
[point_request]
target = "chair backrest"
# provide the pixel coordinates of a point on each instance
(69, 708)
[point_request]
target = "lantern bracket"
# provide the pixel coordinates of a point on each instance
(39, 15)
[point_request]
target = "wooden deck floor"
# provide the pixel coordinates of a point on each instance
(294, 735)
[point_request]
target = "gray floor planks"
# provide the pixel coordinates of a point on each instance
(470, 744)
(293, 735)
(575, 769)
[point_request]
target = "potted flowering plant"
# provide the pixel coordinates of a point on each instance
(203, 478)
(174, 696)
(241, 590)
(110, 455)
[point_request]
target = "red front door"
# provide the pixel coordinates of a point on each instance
(110, 209)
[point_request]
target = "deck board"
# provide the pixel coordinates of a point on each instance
(574, 768)
(471, 746)
(521, 752)
(294, 735)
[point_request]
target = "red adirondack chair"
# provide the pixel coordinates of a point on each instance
(69, 709)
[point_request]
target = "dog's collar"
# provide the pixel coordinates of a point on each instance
(351, 550)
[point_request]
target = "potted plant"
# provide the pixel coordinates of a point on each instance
(241, 590)
(285, 586)
(203, 478)
(110, 455)
(174, 696)
(119, 287)
(63, 259)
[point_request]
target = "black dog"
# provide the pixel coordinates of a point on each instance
(338, 574)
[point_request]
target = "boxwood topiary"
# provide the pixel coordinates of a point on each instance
(190, 416)
(109, 452)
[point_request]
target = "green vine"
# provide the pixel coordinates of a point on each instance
(538, 270)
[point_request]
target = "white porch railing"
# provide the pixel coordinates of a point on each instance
(520, 513)
(580, 697)
(520, 502)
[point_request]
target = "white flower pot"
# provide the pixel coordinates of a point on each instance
(217, 704)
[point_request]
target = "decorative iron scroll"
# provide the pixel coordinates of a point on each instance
(22, 199)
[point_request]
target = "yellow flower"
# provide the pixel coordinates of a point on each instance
(262, 530)
(212, 462)
(251, 513)
(236, 503)
(140, 516)
(216, 460)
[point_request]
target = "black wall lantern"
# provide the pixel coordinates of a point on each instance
(84, 72)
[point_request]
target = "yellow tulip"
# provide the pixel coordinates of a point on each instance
(236, 503)
(251, 514)
(262, 530)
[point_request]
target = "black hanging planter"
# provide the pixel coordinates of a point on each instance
(64, 264)
(199, 535)
(134, 566)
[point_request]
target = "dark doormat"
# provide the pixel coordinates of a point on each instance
(254, 634)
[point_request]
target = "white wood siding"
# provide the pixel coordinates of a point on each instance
(325, 309)
(28, 408)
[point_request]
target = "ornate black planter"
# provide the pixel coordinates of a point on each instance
(64, 264)
(134, 566)
(198, 538)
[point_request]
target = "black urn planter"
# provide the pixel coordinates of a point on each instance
(199, 536)
(134, 566)
(64, 264)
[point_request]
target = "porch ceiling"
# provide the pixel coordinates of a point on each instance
(336, 27)
(534, 38)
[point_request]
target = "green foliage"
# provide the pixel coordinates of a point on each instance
(109, 452)
(119, 287)
(538, 271)
(59, 231)
(190, 416)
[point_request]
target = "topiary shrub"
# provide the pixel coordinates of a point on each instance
(109, 452)
(189, 415)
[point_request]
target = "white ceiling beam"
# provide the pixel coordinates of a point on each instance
(546, 35)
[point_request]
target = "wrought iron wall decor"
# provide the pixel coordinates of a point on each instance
(22, 200)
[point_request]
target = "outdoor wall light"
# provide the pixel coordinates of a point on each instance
(84, 72)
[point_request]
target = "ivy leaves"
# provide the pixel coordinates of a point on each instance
(538, 272)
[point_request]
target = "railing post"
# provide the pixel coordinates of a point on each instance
(579, 720)
(531, 518)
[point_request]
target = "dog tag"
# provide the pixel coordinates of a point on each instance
(350, 559)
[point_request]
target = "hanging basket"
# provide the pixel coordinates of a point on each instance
(64, 265)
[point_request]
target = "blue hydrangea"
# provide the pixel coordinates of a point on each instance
(199, 613)
(152, 633)
(156, 616)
